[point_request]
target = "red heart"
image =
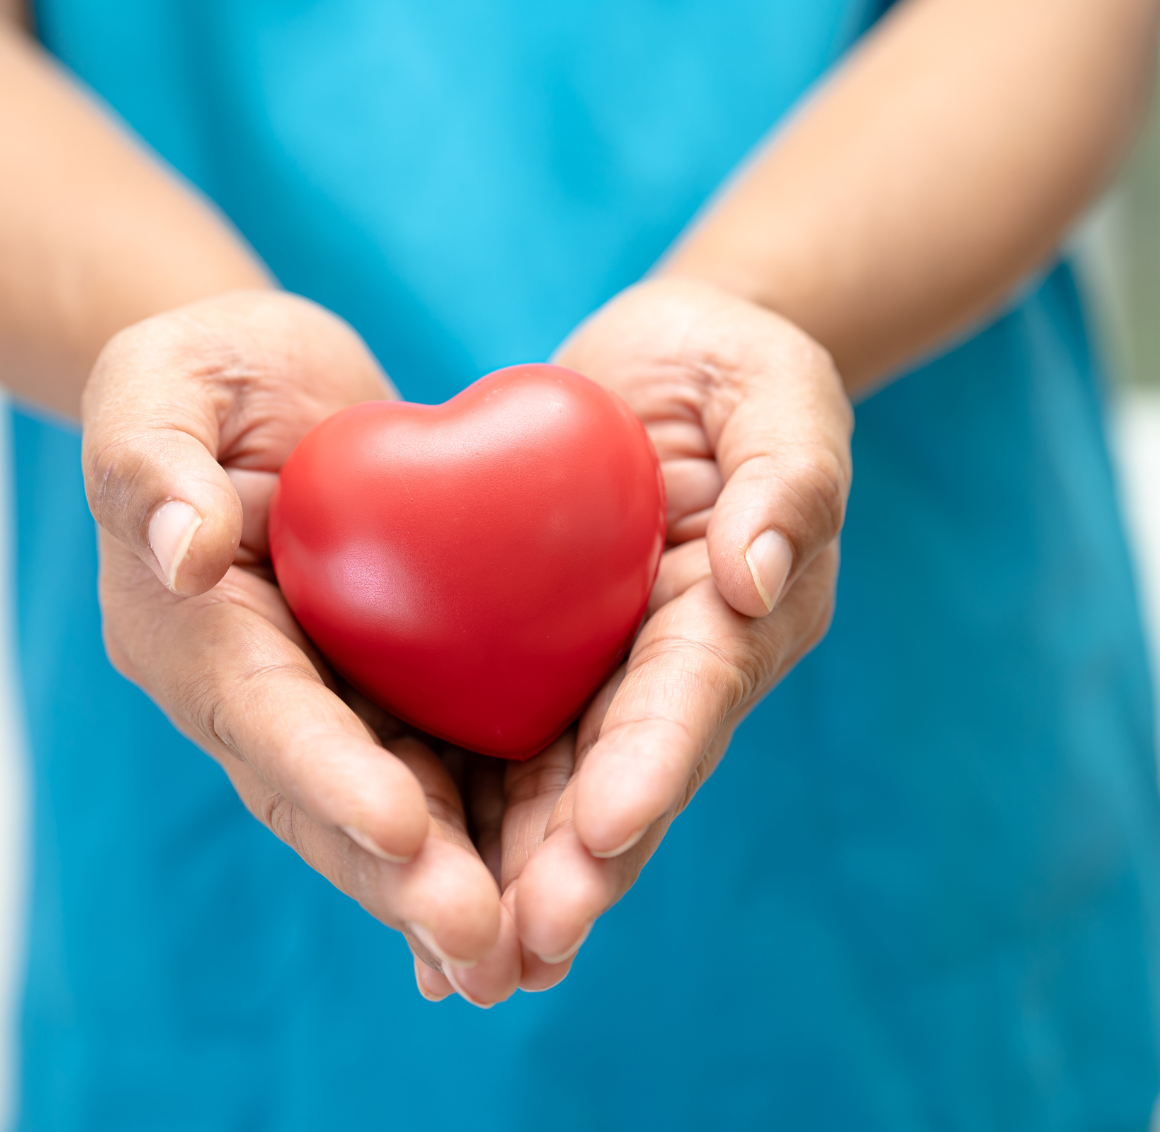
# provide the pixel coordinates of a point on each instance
(479, 567)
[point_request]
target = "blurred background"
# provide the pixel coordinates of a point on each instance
(1116, 249)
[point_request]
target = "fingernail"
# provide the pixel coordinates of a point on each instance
(451, 974)
(769, 557)
(427, 938)
(621, 848)
(365, 841)
(421, 972)
(171, 530)
(563, 958)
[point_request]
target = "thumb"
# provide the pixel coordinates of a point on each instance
(784, 450)
(243, 377)
(151, 411)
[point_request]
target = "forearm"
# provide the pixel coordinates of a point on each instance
(940, 164)
(95, 234)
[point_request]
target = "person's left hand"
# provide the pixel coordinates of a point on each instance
(752, 427)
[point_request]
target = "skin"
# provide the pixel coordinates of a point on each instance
(935, 167)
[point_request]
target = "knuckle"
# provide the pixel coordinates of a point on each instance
(828, 486)
(703, 771)
(684, 670)
(762, 664)
(224, 710)
(280, 815)
(211, 699)
(204, 703)
(101, 465)
(116, 470)
(291, 825)
(818, 486)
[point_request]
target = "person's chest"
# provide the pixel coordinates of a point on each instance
(462, 180)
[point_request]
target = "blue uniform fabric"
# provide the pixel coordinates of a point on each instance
(918, 894)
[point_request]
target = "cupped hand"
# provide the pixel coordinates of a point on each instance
(752, 427)
(188, 418)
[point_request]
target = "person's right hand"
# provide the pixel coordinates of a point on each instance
(188, 418)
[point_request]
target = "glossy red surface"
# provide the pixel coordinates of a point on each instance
(478, 567)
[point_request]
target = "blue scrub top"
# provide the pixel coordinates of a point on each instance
(919, 891)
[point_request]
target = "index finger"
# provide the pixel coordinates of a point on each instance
(241, 689)
(696, 668)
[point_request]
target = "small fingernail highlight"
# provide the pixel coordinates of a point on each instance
(623, 847)
(422, 975)
(171, 530)
(365, 841)
(769, 558)
(565, 956)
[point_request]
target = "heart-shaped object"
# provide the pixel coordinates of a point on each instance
(478, 568)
